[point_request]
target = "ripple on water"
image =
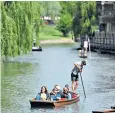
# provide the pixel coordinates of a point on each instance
(22, 79)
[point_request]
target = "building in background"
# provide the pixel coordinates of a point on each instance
(103, 40)
(106, 14)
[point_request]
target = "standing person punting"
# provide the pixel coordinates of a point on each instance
(78, 66)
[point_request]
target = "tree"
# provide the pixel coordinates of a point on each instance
(76, 23)
(50, 9)
(68, 7)
(88, 13)
(19, 21)
(64, 24)
(85, 20)
(67, 14)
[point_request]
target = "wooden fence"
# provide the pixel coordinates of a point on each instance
(103, 41)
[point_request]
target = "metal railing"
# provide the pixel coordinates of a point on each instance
(107, 13)
(103, 41)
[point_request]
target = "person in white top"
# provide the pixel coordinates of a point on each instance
(85, 44)
(34, 41)
(85, 47)
(75, 74)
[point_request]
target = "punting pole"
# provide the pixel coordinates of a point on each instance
(83, 85)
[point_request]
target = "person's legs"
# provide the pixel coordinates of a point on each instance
(76, 85)
(85, 52)
(73, 82)
(74, 79)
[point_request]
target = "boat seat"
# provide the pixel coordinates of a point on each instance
(63, 99)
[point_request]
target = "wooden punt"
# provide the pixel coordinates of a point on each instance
(36, 49)
(47, 103)
(83, 56)
(112, 107)
(105, 111)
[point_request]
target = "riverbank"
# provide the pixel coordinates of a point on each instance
(57, 41)
(50, 35)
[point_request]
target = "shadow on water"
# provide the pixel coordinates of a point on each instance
(42, 107)
(62, 109)
(48, 107)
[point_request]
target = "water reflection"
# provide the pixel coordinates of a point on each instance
(67, 109)
(22, 79)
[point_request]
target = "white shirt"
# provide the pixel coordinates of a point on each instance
(85, 44)
(75, 70)
(79, 63)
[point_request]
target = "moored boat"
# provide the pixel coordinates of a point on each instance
(36, 49)
(105, 111)
(112, 107)
(83, 56)
(48, 103)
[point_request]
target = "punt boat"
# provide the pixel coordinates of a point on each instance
(48, 103)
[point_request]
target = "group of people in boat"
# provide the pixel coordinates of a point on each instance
(57, 93)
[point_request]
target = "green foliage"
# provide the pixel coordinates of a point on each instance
(19, 21)
(68, 7)
(51, 9)
(64, 24)
(48, 32)
(85, 20)
(76, 23)
(72, 8)
(88, 13)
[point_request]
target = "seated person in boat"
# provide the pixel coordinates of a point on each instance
(73, 95)
(66, 93)
(55, 95)
(71, 92)
(43, 95)
(59, 89)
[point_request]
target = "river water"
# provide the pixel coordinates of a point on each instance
(23, 77)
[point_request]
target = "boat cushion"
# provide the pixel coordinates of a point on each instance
(63, 99)
(74, 96)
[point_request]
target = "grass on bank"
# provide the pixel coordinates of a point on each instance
(49, 32)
